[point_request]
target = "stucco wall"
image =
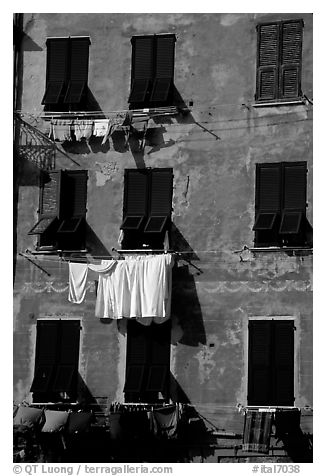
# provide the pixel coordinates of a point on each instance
(213, 152)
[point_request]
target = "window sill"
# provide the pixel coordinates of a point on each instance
(279, 103)
(280, 249)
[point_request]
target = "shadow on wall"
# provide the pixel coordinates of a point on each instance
(94, 245)
(297, 444)
(186, 308)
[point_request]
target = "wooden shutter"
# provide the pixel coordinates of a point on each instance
(291, 58)
(164, 61)
(294, 197)
(76, 192)
(135, 198)
(160, 206)
(46, 354)
(283, 362)
(268, 195)
(160, 357)
(56, 70)
(142, 67)
(50, 202)
(137, 356)
(267, 62)
(68, 356)
(259, 371)
(79, 57)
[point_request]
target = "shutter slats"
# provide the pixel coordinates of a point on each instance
(284, 362)
(268, 45)
(76, 193)
(136, 192)
(50, 193)
(259, 372)
(69, 350)
(164, 57)
(79, 59)
(161, 192)
(291, 42)
(57, 59)
(46, 342)
(267, 83)
(295, 186)
(268, 187)
(143, 57)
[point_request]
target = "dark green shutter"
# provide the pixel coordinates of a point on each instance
(295, 178)
(291, 58)
(259, 363)
(76, 190)
(267, 62)
(68, 356)
(268, 187)
(160, 357)
(79, 58)
(164, 64)
(56, 70)
(137, 356)
(283, 362)
(142, 57)
(161, 192)
(135, 198)
(47, 341)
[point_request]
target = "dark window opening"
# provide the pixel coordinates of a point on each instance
(271, 362)
(56, 361)
(66, 74)
(279, 61)
(62, 211)
(148, 362)
(152, 70)
(147, 208)
(281, 205)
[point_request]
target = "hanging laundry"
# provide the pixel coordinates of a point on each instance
(83, 129)
(101, 127)
(164, 421)
(257, 429)
(117, 122)
(60, 130)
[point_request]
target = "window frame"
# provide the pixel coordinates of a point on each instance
(70, 75)
(281, 206)
(152, 87)
(279, 97)
(55, 364)
(54, 236)
(293, 322)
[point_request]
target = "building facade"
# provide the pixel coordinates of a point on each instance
(190, 135)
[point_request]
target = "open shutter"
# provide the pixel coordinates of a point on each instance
(267, 62)
(291, 57)
(68, 356)
(56, 71)
(268, 195)
(164, 67)
(283, 362)
(135, 198)
(46, 355)
(79, 57)
(259, 371)
(294, 196)
(50, 203)
(160, 200)
(142, 67)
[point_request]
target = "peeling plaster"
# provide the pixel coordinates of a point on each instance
(206, 361)
(230, 19)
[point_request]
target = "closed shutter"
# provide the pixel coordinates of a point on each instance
(268, 195)
(77, 187)
(142, 67)
(283, 362)
(268, 61)
(160, 199)
(259, 371)
(135, 198)
(164, 67)
(74, 212)
(68, 355)
(294, 197)
(50, 202)
(160, 357)
(56, 71)
(47, 341)
(79, 57)
(291, 57)
(137, 356)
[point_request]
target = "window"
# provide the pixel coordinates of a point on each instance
(152, 70)
(66, 73)
(147, 207)
(271, 362)
(281, 205)
(56, 360)
(279, 59)
(148, 362)
(62, 210)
